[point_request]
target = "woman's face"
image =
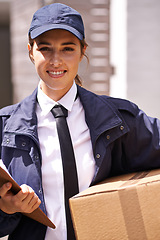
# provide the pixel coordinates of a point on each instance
(56, 55)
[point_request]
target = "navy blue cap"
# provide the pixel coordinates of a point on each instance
(57, 16)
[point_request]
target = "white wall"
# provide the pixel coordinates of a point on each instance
(135, 52)
(118, 47)
(143, 53)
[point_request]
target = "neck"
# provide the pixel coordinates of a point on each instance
(54, 94)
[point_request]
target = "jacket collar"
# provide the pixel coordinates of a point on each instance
(100, 115)
(23, 119)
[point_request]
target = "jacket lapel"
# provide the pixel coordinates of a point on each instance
(101, 118)
(27, 122)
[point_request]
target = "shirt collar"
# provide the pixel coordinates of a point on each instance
(46, 103)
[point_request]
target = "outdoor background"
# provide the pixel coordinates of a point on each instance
(124, 50)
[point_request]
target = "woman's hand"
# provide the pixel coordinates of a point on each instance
(25, 200)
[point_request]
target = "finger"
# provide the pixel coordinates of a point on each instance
(5, 188)
(25, 191)
(34, 202)
(29, 199)
(36, 205)
(30, 203)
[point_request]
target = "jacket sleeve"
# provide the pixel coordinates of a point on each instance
(141, 145)
(139, 148)
(8, 222)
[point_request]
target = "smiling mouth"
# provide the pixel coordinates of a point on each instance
(56, 73)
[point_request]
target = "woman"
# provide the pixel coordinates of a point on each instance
(109, 136)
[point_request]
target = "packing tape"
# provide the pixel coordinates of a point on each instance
(131, 208)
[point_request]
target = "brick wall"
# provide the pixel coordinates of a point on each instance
(24, 78)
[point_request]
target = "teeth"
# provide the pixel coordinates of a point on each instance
(57, 73)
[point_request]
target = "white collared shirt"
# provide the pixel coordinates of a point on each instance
(52, 170)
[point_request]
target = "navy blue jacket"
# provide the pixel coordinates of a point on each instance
(124, 140)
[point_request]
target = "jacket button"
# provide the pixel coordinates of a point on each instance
(40, 191)
(121, 128)
(36, 157)
(98, 155)
(108, 137)
(23, 144)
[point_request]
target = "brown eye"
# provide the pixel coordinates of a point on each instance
(43, 49)
(68, 49)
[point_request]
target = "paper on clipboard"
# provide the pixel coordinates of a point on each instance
(37, 214)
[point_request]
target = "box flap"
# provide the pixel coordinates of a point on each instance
(122, 182)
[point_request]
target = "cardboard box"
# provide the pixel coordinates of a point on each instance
(121, 208)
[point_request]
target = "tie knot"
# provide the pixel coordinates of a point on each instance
(59, 111)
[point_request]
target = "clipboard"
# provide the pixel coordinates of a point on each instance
(37, 214)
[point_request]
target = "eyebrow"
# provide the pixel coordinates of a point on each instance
(46, 43)
(68, 43)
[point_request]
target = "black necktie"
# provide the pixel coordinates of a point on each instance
(68, 160)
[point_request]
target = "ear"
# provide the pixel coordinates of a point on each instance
(83, 52)
(30, 51)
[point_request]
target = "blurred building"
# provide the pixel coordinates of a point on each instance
(124, 49)
(5, 64)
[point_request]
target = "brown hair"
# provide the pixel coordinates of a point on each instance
(84, 45)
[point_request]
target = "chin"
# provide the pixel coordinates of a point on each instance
(56, 88)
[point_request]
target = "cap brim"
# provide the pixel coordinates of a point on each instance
(42, 29)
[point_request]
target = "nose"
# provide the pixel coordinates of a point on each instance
(55, 59)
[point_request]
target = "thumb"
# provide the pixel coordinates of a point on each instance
(5, 188)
